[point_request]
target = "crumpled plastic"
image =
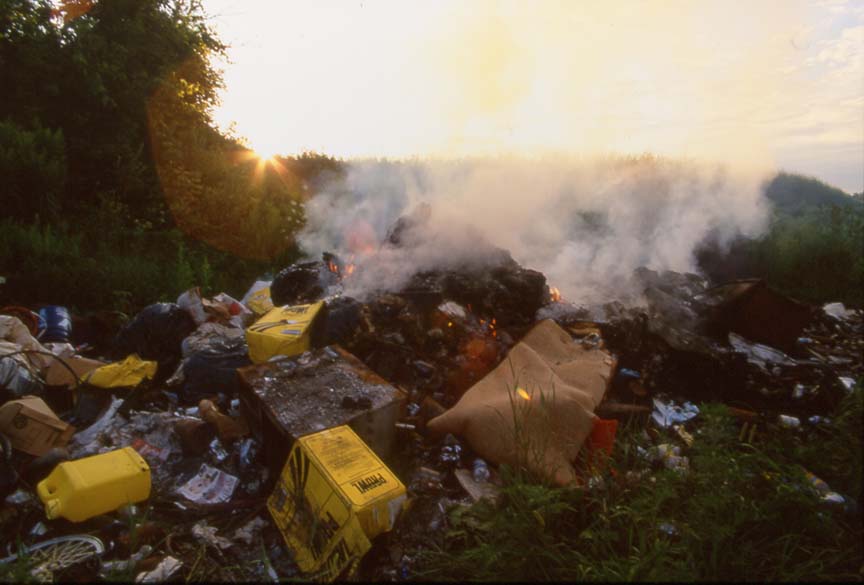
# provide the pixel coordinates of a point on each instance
(207, 533)
(191, 302)
(666, 413)
(837, 310)
(163, 571)
(16, 378)
(126, 374)
(758, 354)
(15, 336)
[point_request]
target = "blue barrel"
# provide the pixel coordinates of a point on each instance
(58, 326)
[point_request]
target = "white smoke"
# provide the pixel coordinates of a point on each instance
(585, 223)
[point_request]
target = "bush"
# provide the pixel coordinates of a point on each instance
(114, 270)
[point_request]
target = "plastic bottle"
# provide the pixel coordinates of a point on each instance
(481, 471)
(82, 489)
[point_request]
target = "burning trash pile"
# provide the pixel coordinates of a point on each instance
(307, 432)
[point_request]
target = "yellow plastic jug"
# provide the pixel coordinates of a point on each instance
(78, 490)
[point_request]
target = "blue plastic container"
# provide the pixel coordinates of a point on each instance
(58, 326)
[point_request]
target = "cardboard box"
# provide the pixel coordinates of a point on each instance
(58, 375)
(32, 426)
(285, 400)
(333, 497)
(282, 331)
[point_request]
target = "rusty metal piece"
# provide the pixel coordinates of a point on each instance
(752, 309)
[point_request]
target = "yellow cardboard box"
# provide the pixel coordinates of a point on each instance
(282, 331)
(333, 497)
(260, 301)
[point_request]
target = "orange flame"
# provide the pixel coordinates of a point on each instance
(554, 293)
(334, 268)
(521, 392)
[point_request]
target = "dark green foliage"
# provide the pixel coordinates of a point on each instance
(793, 194)
(813, 249)
(33, 168)
(118, 189)
(817, 255)
(743, 513)
(125, 271)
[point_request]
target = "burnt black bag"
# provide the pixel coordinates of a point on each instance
(210, 372)
(156, 333)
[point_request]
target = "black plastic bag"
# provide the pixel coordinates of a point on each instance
(211, 372)
(156, 334)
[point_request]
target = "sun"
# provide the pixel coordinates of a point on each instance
(264, 155)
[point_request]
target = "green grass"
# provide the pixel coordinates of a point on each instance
(743, 512)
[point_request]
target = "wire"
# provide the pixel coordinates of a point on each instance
(49, 354)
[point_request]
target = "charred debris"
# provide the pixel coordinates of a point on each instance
(228, 404)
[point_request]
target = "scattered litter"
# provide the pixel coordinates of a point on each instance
(163, 571)
(19, 497)
(788, 422)
(209, 486)
(90, 434)
(126, 565)
(758, 354)
(837, 310)
(14, 376)
(480, 471)
(207, 533)
(149, 451)
(824, 490)
(218, 451)
(685, 436)
(476, 489)
(450, 343)
(670, 456)
(248, 532)
(190, 301)
(848, 383)
(667, 413)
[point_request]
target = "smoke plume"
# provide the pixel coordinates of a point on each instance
(585, 223)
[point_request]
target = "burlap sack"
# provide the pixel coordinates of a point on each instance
(536, 408)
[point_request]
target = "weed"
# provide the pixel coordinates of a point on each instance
(743, 513)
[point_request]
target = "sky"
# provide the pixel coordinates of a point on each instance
(766, 83)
